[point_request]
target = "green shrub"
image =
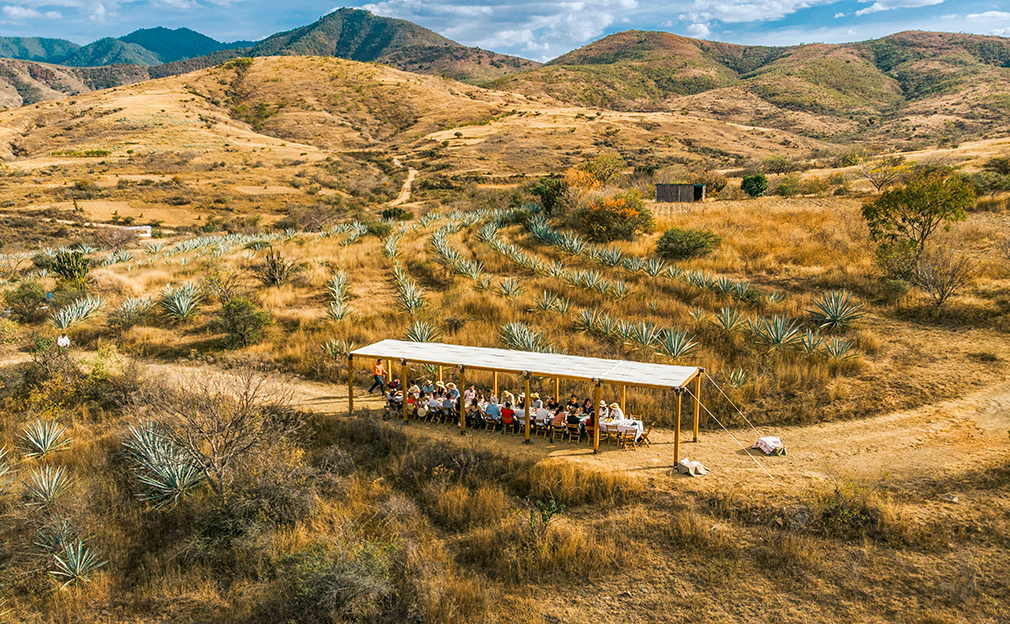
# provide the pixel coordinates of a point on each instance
(549, 191)
(755, 185)
(619, 216)
(380, 229)
(398, 214)
(678, 244)
(242, 321)
(24, 302)
(73, 267)
(788, 186)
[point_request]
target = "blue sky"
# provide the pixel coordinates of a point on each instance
(538, 29)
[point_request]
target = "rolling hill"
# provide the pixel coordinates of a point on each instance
(913, 84)
(179, 44)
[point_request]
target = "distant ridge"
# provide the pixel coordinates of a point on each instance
(176, 45)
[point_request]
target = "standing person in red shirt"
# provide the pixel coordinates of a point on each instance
(379, 372)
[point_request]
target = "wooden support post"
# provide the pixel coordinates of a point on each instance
(494, 384)
(526, 400)
(596, 417)
(389, 372)
(462, 401)
(557, 388)
(697, 401)
(624, 400)
(403, 389)
(440, 373)
(676, 426)
(350, 384)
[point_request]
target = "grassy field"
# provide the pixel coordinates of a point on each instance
(893, 508)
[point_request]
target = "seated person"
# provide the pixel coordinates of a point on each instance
(493, 410)
(473, 412)
(552, 404)
(452, 390)
(587, 425)
(604, 412)
(560, 418)
(448, 406)
(616, 413)
(573, 404)
(507, 417)
(573, 419)
(434, 405)
(537, 403)
(428, 387)
(507, 397)
(587, 407)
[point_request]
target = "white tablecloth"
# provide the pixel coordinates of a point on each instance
(627, 424)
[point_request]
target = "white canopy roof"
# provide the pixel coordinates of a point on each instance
(619, 372)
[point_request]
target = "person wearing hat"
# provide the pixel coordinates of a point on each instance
(616, 413)
(507, 397)
(537, 403)
(604, 412)
(492, 409)
(453, 391)
(427, 387)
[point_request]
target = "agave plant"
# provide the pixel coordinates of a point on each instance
(673, 272)
(698, 314)
(545, 301)
(411, 297)
(337, 349)
(607, 325)
(522, 337)
(586, 319)
(676, 343)
(44, 485)
(572, 243)
(654, 266)
(77, 312)
(776, 332)
(645, 333)
(154, 248)
(836, 308)
(620, 289)
(41, 438)
(510, 287)
(724, 285)
(556, 269)
(338, 286)
(76, 564)
(181, 302)
(276, 270)
(389, 247)
(728, 319)
(653, 306)
(611, 256)
(774, 297)
(737, 377)
(164, 471)
(131, 311)
(422, 331)
(811, 341)
(634, 264)
(839, 348)
(55, 537)
(591, 279)
(7, 472)
(338, 311)
(562, 305)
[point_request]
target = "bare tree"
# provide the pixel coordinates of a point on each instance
(1003, 249)
(220, 419)
(943, 273)
(884, 172)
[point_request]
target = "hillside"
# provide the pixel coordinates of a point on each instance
(40, 49)
(176, 45)
(110, 51)
(909, 86)
(358, 35)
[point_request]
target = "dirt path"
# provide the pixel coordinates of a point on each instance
(405, 191)
(906, 448)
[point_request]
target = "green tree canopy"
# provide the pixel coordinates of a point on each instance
(910, 215)
(549, 191)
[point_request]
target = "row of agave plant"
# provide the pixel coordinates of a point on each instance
(76, 312)
(450, 257)
(586, 279)
(541, 229)
(673, 343)
(411, 295)
(68, 558)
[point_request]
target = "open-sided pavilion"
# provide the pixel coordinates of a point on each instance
(527, 364)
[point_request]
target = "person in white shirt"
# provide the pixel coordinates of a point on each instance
(63, 341)
(536, 403)
(469, 395)
(604, 412)
(616, 413)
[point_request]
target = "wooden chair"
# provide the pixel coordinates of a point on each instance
(628, 440)
(574, 433)
(489, 423)
(643, 440)
(613, 433)
(558, 431)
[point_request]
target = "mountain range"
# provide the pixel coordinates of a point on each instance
(911, 86)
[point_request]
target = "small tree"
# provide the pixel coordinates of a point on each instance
(884, 172)
(755, 185)
(607, 218)
(73, 267)
(24, 302)
(944, 273)
(242, 321)
(604, 167)
(912, 214)
(678, 244)
(549, 191)
(220, 421)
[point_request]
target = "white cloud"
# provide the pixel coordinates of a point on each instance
(698, 31)
(988, 16)
(98, 12)
(24, 13)
(730, 11)
(951, 16)
(839, 14)
(1001, 32)
(176, 4)
(889, 5)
